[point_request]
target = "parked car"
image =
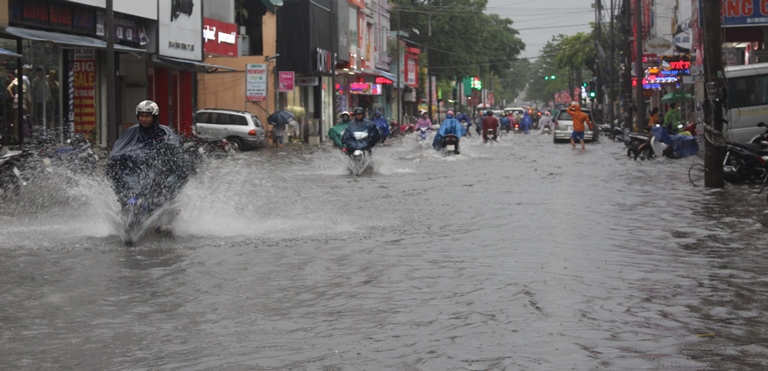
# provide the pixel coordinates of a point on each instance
(564, 127)
(242, 129)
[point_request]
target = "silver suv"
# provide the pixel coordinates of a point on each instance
(242, 129)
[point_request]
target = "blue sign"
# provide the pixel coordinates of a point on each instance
(744, 13)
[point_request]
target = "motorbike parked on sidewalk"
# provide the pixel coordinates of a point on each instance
(745, 162)
(215, 148)
(10, 175)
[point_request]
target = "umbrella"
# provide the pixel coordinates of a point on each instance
(281, 118)
(8, 53)
(483, 105)
(677, 96)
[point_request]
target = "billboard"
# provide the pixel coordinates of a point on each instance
(220, 37)
(180, 27)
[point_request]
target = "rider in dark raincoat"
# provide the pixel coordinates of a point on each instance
(360, 125)
(382, 125)
(449, 126)
(149, 146)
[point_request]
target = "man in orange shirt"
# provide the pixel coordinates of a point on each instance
(579, 118)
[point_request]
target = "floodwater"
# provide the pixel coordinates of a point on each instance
(519, 255)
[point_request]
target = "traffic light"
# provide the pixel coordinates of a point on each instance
(550, 77)
(584, 84)
(454, 94)
(592, 93)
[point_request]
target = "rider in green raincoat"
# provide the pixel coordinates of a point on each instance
(337, 130)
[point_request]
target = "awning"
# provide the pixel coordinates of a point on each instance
(66, 39)
(271, 4)
(207, 67)
(391, 77)
(8, 53)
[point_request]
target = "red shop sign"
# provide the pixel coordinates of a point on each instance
(220, 37)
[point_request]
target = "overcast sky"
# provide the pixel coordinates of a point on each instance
(537, 21)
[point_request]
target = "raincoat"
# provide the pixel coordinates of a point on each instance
(352, 143)
(579, 118)
(336, 132)
(449, 126)
(156, 150)
(381, 124)
(526, 123)
(423, 123)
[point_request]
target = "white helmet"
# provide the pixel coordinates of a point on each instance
(422, 112)
(148, 106)
(344, 113)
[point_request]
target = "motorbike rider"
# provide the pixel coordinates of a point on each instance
(449, 126)
(526, 123)
(463, 118)
(546, 121)
(337, 130)
(148, 144)
(360, 125)
(490, 122)
(506, 124)
(423, 121)
(382, 125)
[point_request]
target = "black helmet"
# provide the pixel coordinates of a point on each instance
(359, 110)
(489, 113)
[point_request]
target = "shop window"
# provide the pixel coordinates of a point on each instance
(41, 87)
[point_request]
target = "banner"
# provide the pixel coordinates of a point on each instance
(256, 82)
(84, 73)
(285, 82)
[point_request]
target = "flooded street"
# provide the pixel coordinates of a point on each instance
(520, 255)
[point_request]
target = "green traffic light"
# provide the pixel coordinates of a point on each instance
(584, 84)
(553, 77)
(591, 94)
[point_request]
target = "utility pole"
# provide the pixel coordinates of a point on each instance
(639, 73)
(400, 92)
(626, 16)
(611, 69)
(714, 144)
(112, 124)
(599, 107)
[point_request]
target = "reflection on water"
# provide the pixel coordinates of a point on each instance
(519, 255)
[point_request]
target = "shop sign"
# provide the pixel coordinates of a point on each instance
(383, 80)
(308, 81)
(220, 37)
(364, 88)
(657, 45)
(324, 61)
(125, 29)
(744, 12)
(683, 40)
(675, 65)
(84, 89)
(286, 79)
(179, 32)
(256, 82)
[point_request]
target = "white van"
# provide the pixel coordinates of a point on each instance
(747, 101)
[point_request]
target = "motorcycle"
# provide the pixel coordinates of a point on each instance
(661, 144)
(745, 162)
(216, 148)
(10, 175)
(466, 125)
(146, 188)
(763, 137)
(489, 134)
(75, 154)
(450, 144)
(423, 133)
(360, 160)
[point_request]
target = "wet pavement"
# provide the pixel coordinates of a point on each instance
(518, 255)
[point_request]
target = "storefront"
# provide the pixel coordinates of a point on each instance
(61, 69)
(309, 54)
